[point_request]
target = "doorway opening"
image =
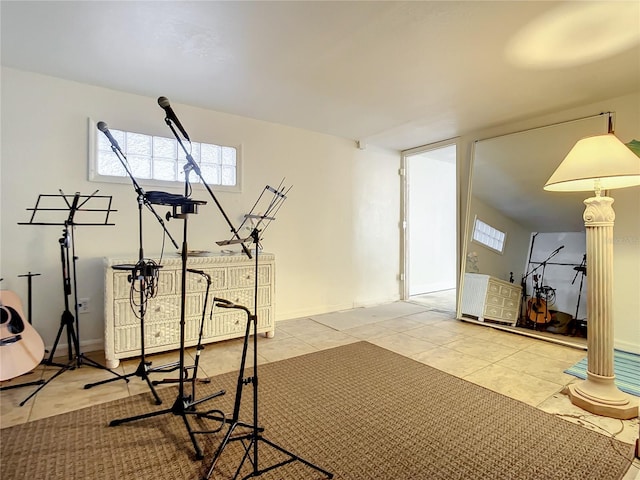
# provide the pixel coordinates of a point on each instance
(430, 225)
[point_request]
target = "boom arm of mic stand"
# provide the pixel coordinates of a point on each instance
(553, 254)
(160, 220)
(141, 195)
(196, 169)
(578, 270)
(535, 269)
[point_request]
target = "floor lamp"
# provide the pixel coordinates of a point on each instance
(599, 163)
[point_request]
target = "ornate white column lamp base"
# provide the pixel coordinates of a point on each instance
(598, 393)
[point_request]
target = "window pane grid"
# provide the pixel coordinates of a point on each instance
(488, 236)
(159, 158)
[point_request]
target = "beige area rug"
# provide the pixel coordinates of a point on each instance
(359, 411)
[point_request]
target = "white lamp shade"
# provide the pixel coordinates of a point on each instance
(594, 163)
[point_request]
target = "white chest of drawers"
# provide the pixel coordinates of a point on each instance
(232, 278)
(490, 298)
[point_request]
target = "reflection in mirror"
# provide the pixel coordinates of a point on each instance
(523, 263)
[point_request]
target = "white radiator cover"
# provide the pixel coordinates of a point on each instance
(232, 278)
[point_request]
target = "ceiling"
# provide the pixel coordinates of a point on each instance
(510, 171)
(391, 74)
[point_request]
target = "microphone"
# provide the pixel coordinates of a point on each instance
(104, 129)
(164, 103)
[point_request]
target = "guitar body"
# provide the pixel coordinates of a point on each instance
(538, 311)
(21, 348)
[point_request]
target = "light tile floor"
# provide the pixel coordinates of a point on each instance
(425, 329)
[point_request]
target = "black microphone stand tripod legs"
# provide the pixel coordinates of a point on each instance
(182, 407)
(142, 371)
(68, 322)
(251, 449)
(76, 359)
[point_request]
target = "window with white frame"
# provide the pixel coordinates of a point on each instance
(488, 236)
(156, 160)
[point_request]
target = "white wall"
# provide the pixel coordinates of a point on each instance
(516, 244)
(336, 239)
(626, 255)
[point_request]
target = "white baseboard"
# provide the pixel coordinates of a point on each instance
(86, 346)
(626, 346)
(431, 287)
(292, 314)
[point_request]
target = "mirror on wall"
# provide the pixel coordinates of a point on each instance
(523, 264)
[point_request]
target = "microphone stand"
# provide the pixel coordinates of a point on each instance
(184, 405)
(543, 265)
(523, 284)
(145, 272)
(253, 438)
(196, 168)
(582, 271)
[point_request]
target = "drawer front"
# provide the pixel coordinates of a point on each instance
(506, 291)
(236, 321)
(493, 288)
(493, 312)
(512, 303)
(242, 277)
(165, 284)
(495, 300)
(198, 283)
(158, 309)
(127, 339)
(509, 314)
(245, 297)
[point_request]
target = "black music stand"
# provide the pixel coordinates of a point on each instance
(260, 221)
(72, 204)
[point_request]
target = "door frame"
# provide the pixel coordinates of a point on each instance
(404, 207)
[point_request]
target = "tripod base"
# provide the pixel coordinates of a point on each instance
(183, 406)
(251, 452)
(143, 370)
(20, 385)
(77, 362)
